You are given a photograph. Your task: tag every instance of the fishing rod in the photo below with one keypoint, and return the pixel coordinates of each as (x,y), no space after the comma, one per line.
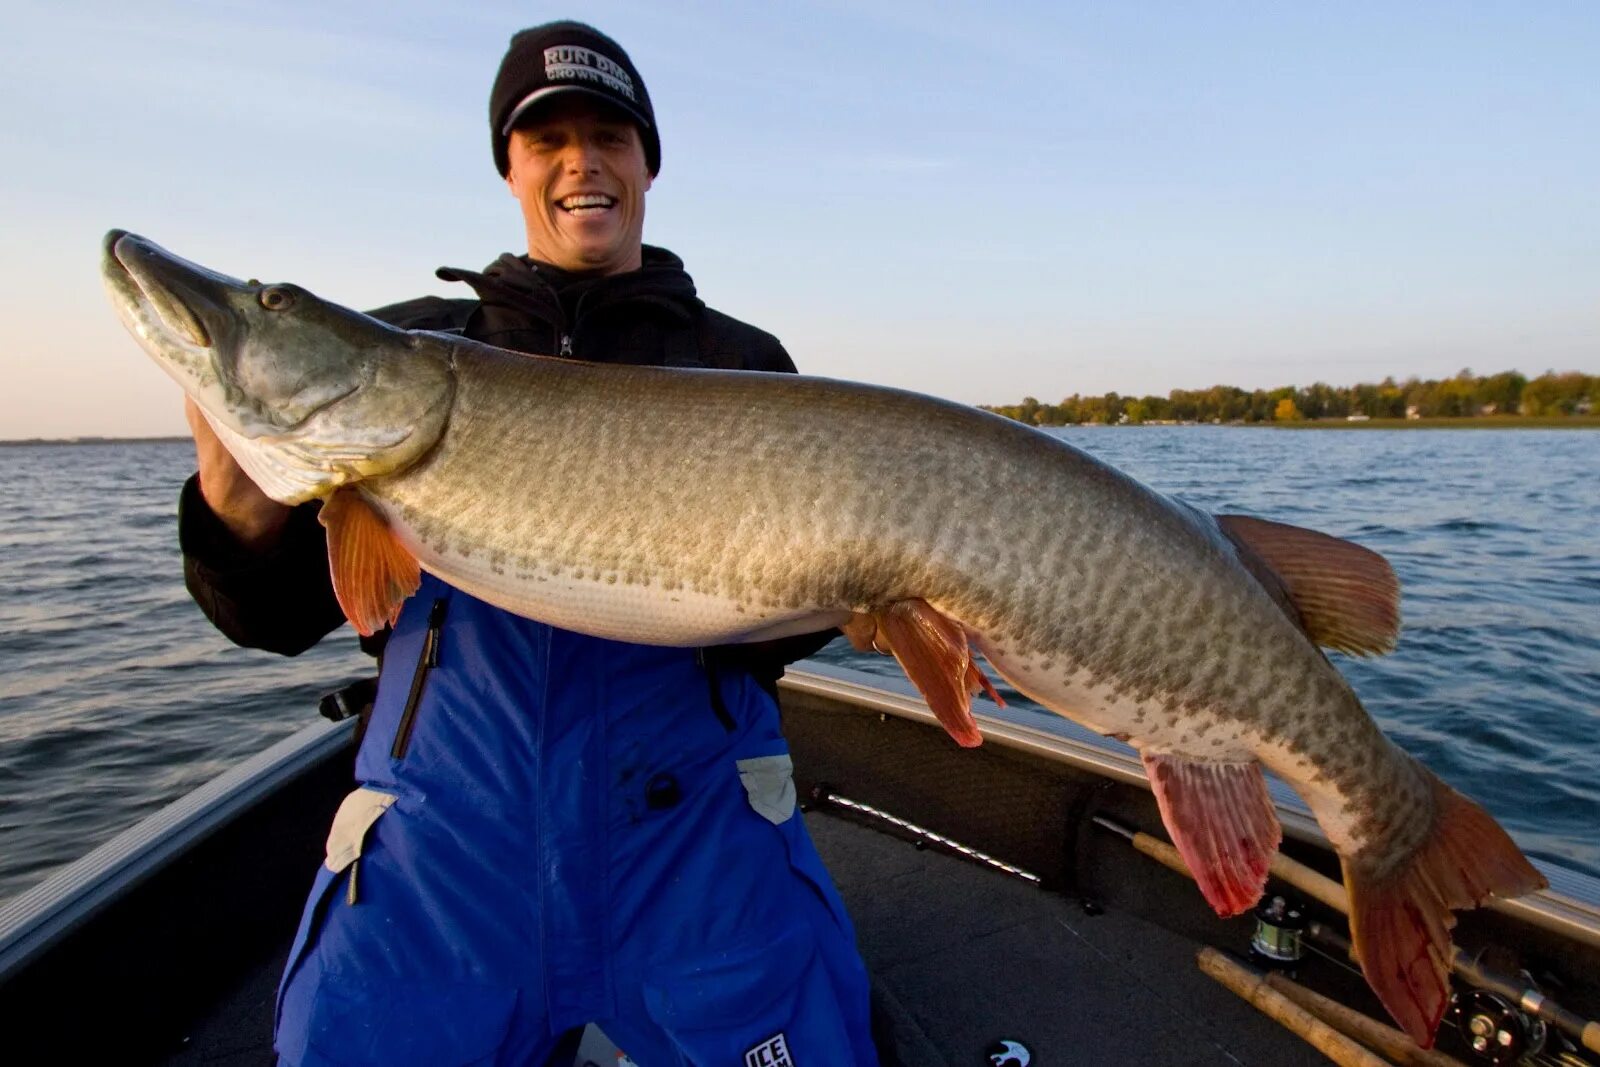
(1488,1016)
(1515,992)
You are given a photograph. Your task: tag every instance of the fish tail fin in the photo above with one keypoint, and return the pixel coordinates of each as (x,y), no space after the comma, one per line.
(372,572)
(934,652)
(1222,822)
(1400,920)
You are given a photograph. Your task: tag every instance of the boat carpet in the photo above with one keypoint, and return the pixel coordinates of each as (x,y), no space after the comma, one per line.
(962,957)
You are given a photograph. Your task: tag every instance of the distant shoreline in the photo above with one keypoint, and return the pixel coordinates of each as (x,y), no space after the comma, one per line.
(1460,422)
(1464,422)
(1455,422)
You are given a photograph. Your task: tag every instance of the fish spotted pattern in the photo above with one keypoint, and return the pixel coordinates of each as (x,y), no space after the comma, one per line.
(696,507)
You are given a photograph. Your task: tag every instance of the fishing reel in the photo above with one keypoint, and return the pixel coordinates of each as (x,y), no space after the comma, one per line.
(1280,924)
(1495,1029)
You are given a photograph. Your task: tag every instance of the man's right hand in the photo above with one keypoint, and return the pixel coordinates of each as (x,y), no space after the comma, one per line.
(249,514)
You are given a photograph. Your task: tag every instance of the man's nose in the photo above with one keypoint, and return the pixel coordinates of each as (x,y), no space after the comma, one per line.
(582,158)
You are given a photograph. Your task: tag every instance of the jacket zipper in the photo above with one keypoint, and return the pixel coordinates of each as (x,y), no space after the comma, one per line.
(419,680)
(719,707)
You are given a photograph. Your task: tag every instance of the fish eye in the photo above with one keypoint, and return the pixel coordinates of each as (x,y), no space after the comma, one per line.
(276,298)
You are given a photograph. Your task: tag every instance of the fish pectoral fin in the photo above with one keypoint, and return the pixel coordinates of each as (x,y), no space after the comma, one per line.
(1222,821)
(1347,596)
(372,571)
(1400,921)
(935,654)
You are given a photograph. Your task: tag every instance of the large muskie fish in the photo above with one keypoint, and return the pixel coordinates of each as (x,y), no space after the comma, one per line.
(697,507)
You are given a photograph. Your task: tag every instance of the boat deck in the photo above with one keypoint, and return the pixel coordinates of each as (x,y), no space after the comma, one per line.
(164,945)
(962,956)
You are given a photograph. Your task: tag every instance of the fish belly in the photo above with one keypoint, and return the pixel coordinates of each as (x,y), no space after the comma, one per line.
(1103,706)
(603,604)
(1342,782)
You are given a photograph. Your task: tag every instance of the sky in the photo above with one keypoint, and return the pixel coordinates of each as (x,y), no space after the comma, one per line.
(976,201)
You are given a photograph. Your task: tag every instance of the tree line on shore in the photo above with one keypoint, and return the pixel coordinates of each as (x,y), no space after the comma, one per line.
(1507,393)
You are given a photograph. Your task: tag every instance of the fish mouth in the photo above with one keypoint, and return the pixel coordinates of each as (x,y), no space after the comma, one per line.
(185,318)
(167,300)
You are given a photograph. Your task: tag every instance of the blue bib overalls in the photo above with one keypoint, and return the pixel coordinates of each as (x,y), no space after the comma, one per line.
(553,830)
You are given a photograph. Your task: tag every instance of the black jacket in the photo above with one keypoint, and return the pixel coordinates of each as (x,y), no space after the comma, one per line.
(282,600)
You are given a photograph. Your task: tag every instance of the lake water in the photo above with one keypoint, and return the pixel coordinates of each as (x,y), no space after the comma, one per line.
(116,696)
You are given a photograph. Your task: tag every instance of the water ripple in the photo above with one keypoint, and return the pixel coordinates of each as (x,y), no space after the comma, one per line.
(1496,681)
(118,697)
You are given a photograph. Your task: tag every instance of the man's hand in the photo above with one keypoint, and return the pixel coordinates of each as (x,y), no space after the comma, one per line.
(249,514)
(866,633)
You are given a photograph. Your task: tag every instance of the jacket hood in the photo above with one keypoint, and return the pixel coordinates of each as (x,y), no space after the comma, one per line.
(514,281)
(532,306)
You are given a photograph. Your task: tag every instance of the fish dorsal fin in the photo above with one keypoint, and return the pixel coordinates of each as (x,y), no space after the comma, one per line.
(372,572)
(934,652)
(1222,821)
(1347,596)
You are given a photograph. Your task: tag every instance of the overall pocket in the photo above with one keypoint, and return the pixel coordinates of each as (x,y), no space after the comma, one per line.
(356,814)
(371,1019)
(768,783)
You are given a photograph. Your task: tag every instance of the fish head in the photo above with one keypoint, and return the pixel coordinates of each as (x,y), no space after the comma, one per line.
(308,396)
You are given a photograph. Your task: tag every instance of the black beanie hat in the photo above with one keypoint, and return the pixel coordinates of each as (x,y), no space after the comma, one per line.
(568,57)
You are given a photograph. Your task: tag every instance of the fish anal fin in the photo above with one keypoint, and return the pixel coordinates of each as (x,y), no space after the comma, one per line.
(934,652)
(1222,822)
(372,572)
(1400,921)
(1347,596)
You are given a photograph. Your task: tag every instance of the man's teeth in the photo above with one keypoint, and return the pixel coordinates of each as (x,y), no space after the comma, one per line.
(587,203)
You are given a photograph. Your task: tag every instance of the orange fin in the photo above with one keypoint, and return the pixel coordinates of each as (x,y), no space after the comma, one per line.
(1223,823)
(372,572)
(1347,596)
(978,682)
(1400,921)
(933,651)
(864,633)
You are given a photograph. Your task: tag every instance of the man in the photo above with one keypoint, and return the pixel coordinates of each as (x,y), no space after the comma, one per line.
(552,829)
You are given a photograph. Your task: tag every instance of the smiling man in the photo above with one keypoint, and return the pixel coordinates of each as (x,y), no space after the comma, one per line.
(550,829)
(580,173)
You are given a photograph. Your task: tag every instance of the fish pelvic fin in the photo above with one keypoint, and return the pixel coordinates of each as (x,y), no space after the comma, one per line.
(934,652)
(372,572)
(1347,596)
(1222,822)
(1400,921)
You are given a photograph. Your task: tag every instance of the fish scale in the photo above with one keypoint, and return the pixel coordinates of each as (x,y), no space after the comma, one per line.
(699,507)
(531,466)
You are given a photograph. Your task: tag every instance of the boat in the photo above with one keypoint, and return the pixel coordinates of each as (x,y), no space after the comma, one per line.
(1014,904)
